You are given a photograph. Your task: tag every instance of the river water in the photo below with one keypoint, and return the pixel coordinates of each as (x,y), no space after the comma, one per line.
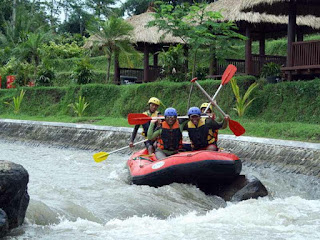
(72,197)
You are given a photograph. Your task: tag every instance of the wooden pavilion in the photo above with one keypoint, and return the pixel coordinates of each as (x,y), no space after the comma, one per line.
(148,40)
(303,57)
(258,26)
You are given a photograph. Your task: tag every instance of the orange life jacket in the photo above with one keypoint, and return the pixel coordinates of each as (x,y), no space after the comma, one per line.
(170,138)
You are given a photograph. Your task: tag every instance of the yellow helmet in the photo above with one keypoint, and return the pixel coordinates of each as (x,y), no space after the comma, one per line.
(154,100)
(205,105)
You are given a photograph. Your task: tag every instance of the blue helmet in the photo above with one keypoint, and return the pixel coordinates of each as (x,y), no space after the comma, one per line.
(169,112)
(194,111)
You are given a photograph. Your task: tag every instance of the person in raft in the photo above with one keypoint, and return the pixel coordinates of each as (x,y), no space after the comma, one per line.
(209,112)
(153,105)
(203,133)
(169,135)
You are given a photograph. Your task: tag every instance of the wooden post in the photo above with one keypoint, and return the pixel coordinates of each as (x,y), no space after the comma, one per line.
(146,63)
(248,57)
(116,77)
(155,59)
(262,51)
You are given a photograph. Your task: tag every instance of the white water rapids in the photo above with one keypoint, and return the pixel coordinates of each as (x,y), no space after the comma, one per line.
(72,197)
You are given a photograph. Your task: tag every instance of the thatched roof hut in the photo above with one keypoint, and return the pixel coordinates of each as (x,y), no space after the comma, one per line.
(273,26)
(143,34)
(152,35)
(281,7)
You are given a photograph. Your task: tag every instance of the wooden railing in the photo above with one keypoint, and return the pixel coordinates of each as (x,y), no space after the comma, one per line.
(154,73)
(239,63)
(305,53)
(257,62)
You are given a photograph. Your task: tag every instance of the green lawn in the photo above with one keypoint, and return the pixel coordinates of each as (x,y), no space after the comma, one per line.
(286,130)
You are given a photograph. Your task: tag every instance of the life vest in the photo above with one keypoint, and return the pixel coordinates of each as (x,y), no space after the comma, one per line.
(201,136)
(146,125)
(170,138)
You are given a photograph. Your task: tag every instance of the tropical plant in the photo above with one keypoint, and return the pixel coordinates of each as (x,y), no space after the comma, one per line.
(242,103)
(30,50)
(45,76)
(270,69)
(82,73)
(80,106)
(113,38)
(196,27)
(16,104)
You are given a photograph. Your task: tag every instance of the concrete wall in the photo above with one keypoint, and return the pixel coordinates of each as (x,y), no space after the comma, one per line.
(292,156)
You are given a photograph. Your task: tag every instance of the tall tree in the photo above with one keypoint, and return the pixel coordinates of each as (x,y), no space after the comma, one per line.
(113,37)
(196,26)
(101,7)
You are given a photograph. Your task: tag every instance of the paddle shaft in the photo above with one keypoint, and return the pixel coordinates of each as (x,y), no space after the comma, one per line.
(209,98)
(179,117)
(226,77)
(127,146)
(213,98)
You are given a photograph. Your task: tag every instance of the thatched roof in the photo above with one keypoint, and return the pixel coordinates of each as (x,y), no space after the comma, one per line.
(281,7)
(141,33)
(270,24)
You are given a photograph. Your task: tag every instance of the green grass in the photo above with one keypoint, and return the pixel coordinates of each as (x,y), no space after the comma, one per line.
(254,128)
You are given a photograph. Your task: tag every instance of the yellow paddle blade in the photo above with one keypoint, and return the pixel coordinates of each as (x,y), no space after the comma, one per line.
(100,156)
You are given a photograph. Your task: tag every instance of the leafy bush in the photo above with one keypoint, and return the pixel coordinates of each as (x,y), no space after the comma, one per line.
(67,50)
(82,74)
(270,69)
(45,76)
(173,62)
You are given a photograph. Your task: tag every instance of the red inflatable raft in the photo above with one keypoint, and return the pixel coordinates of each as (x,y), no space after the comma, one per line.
(197,167)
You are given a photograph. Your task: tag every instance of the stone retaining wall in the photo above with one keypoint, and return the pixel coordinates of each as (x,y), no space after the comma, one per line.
(292,156)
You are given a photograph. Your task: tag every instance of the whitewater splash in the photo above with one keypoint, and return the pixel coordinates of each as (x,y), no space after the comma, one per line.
(72,197)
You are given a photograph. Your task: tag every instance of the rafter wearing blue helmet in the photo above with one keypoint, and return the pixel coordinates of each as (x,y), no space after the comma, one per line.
(202,132)
(169,136)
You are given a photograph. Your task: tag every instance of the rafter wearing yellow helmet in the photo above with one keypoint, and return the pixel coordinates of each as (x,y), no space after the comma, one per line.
(204,106)
(153,105)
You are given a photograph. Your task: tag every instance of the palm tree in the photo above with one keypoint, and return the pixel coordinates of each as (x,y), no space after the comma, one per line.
(30,49)
(112,37)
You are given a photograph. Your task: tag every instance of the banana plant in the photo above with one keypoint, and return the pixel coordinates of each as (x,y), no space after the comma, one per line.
(16,104)
(80,106)
(242,102)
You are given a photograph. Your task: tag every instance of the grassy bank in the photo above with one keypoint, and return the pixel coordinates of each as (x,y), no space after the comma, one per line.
(288,110)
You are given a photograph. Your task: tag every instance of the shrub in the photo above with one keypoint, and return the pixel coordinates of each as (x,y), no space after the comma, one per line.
(82,74)
(67,50)
(270,69)
(45,76)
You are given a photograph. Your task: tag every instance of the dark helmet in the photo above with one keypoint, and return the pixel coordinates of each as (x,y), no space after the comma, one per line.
(194,111)
(169,112)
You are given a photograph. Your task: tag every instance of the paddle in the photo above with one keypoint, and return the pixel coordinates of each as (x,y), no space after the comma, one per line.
(226,77)
(234,126)
(101,156)
(140,118)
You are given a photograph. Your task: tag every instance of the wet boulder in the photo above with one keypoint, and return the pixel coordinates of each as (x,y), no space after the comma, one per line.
(14,198)
(243,188)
